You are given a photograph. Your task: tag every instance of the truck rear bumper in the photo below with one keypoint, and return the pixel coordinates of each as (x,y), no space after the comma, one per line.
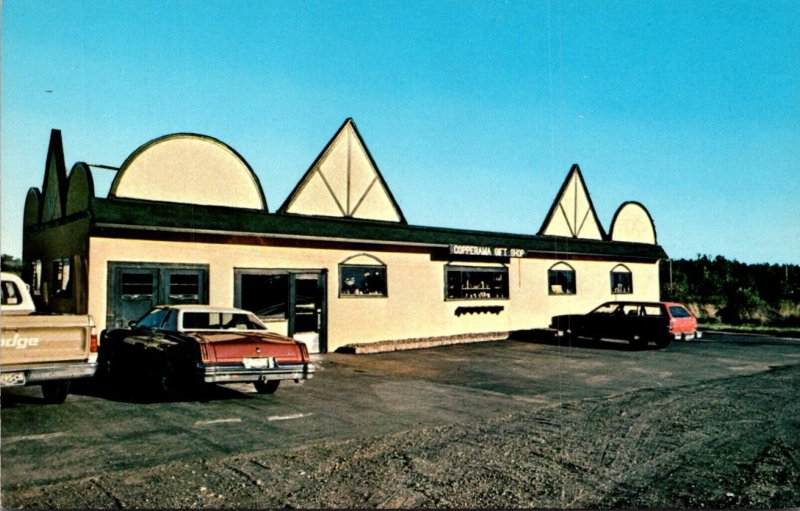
(15,376)
(234,374)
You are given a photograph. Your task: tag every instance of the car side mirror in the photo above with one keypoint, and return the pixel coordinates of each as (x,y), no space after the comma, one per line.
(132,323)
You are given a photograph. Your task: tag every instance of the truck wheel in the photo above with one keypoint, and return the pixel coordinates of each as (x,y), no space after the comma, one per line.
(55,392)
(266,387)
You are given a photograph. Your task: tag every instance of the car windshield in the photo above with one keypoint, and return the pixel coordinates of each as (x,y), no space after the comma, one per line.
(210,320)
(152,319)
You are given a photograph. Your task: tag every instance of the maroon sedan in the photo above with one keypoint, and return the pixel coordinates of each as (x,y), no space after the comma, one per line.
(181,345)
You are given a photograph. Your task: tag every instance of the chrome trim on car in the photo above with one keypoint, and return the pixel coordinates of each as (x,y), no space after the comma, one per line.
(238,373)
(34,375)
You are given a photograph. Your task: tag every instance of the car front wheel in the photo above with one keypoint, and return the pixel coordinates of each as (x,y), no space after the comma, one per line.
(266,387)
(638,342)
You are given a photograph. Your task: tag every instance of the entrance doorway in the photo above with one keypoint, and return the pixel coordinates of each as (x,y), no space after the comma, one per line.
(135,288)
(290,302)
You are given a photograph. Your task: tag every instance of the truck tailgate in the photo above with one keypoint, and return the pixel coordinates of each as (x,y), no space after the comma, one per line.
(30,340)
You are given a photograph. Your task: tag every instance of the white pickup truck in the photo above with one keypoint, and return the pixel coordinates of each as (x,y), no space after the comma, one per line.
(42,349)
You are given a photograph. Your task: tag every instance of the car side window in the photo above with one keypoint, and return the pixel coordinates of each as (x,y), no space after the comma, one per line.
(652,310)
(9,293)
(152,320)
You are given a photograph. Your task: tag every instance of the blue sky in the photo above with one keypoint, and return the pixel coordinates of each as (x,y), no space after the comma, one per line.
(473,110)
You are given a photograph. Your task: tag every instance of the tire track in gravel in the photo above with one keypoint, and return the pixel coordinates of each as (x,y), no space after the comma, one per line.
(723,443)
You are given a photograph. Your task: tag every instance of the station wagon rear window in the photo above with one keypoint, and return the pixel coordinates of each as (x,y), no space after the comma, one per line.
(679,312)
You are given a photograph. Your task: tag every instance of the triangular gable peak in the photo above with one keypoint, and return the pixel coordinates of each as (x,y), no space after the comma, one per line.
(344,181)
(572,214)
(54,187)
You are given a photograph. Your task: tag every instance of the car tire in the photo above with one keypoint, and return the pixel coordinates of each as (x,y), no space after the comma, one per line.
(166,380)
(266,387)
(55,392)
(166,384)
(638,342)
(663,341)
(105,366)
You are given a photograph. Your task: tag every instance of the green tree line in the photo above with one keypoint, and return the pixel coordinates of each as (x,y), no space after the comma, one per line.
(742,293)
(11,264)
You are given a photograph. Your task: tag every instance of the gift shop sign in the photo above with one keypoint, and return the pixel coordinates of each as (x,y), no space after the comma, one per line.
(477,250)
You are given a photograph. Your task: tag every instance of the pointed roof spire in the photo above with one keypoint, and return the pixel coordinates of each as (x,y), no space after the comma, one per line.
(344,181)
(572,213)
(54,187)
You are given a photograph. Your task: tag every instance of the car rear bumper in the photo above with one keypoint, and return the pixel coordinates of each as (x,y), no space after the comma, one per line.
(14,376)
(239,373)
(688,336)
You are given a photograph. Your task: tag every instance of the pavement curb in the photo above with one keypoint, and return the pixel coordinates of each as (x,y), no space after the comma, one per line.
(420,343)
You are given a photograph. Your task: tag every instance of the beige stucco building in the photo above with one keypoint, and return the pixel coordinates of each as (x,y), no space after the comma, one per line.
(186,221)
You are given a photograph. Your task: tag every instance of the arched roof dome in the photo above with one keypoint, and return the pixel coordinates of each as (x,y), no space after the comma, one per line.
(192,169)
(632,222)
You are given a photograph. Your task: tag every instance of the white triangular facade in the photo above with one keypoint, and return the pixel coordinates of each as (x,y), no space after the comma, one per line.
(344,182)
(573,214)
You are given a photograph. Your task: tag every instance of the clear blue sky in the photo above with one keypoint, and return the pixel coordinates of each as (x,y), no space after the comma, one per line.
(473,110)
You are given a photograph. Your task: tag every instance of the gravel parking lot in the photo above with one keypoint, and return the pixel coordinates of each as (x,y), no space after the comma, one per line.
(518,423)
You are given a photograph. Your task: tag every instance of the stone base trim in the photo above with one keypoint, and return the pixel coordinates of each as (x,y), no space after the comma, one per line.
(364,348)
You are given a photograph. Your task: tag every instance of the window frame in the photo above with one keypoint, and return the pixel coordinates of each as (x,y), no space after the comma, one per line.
(378,265)
(621,269)
(62,267)
(10,285)
(570,269)
(500,269)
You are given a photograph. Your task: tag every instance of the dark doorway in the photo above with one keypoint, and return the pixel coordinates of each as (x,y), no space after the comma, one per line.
(289,301)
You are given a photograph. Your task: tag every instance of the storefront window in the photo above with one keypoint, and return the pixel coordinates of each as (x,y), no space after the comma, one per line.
(36,277)
(362,280)
(561,280)
(61,276)
(476,283)
(621,280)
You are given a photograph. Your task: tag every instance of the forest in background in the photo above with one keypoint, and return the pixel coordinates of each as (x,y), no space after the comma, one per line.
(727,291)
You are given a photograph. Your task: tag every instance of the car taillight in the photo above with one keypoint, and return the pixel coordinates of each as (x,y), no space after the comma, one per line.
(671,325)
(93,340)
(304,351)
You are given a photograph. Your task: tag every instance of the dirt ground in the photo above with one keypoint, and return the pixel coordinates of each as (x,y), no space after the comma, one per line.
(727,443)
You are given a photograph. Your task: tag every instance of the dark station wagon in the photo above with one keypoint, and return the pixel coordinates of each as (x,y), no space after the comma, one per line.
(636,322)
(186,345)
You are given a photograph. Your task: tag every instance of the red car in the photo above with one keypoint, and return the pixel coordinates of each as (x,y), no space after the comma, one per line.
(183,345)
(637,322)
